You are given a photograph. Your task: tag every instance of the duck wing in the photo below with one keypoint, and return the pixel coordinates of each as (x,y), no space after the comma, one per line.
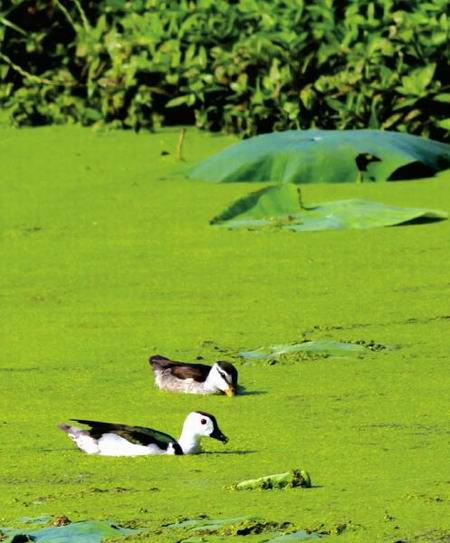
(181,370)
(138,435)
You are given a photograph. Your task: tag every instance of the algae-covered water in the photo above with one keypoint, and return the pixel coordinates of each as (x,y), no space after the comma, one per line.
(107,259)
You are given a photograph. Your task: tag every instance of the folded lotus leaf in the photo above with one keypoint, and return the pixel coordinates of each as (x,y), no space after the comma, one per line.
(325,156)
(281,207)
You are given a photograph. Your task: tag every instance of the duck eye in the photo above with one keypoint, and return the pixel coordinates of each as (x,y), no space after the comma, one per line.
(203,421)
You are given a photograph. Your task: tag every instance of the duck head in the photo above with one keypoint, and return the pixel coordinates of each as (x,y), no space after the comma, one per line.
(197,425)
(203,424)
(224,376)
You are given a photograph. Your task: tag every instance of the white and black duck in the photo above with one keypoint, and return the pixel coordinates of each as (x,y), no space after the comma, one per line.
(221,378)
(108,439)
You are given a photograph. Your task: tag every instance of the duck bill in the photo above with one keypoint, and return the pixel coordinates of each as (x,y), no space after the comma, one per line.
(230,391)
(217,434)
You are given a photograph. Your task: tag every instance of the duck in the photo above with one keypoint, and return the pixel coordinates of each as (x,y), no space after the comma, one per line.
(109,439)
(221,378)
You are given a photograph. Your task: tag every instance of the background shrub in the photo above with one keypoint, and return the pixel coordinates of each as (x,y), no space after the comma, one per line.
(246,66)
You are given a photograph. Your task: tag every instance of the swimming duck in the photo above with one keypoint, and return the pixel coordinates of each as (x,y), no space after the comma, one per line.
(108,439)
(222,377)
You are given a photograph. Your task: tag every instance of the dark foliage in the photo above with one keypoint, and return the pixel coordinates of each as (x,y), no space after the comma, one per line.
(246,66)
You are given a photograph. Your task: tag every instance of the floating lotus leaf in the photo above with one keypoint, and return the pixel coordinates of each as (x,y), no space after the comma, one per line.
(281,207)
(326,156)
(86,531)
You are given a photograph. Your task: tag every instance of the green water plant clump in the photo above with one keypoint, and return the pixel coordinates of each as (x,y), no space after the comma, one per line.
(291,479)
(249,67)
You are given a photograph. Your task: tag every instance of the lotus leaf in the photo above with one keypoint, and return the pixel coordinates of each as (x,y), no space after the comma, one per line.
(85,531)
(326,156)
(281,207)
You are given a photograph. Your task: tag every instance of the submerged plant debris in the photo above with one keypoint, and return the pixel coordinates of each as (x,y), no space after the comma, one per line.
(326,156)
(299,535)
(291,479)
(206,524)
(289,353)
(311,349)
(205,530)
(281,208)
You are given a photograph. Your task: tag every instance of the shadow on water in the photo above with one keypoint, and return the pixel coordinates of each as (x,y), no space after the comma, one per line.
(232,452)
(418,221)
(244,392)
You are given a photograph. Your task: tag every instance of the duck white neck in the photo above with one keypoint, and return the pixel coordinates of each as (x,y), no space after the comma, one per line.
(189,442)
(214,382)
(210,385)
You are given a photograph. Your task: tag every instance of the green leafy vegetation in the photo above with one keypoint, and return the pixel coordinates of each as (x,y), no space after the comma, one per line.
(247,66)
(325,156)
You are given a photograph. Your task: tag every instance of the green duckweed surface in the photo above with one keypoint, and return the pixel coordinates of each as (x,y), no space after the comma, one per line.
(107,259)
